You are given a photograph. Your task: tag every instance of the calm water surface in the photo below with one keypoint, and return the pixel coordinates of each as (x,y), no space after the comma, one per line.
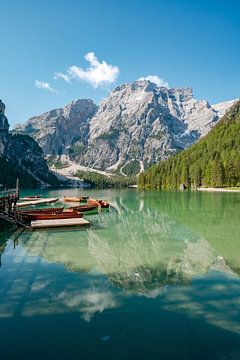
(156,277)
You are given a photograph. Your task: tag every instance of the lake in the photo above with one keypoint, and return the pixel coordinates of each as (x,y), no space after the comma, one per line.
(156,277)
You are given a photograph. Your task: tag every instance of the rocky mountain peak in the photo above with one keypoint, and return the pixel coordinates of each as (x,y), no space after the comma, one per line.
(181,94)
(222,107)
(137,125)
(24,155)
(4,125)
(2,107)
(57,130)
(78,108)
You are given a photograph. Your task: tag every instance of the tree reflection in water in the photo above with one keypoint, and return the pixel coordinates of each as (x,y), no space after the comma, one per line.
(146,250)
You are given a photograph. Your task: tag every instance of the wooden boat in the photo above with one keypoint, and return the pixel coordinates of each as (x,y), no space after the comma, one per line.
(102,203)
(84,198)
(64,215)
(85,208)
(29,198)
(37,202)
(55,210)
(76,199)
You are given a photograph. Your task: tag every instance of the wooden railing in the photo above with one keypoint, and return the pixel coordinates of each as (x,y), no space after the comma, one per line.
(8,199)
(8,202)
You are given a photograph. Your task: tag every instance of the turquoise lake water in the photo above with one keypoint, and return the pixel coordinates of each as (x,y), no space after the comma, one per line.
(156,277)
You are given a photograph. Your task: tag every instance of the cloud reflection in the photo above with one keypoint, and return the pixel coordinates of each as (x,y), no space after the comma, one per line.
(89,301)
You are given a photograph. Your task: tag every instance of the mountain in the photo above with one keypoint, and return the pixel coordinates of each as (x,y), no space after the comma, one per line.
(137,125)
(222,107)
(21,156)
(58,129)
(214,161)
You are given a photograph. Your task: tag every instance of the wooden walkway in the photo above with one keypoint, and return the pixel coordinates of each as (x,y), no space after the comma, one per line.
(9,204)
(44,224)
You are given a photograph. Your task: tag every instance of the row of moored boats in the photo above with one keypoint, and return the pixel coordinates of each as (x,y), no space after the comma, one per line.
(86,206)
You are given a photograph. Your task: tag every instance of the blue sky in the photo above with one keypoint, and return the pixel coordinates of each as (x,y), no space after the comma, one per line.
(185,42)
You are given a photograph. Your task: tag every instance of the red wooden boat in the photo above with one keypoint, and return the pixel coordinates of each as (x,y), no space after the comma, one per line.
(102,203)
(55,210)
(64,215)
(84,208)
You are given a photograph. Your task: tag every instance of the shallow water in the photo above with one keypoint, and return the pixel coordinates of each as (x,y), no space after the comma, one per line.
(156,277)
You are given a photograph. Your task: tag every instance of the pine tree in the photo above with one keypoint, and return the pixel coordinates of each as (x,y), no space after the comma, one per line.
(217,173)
(213,161)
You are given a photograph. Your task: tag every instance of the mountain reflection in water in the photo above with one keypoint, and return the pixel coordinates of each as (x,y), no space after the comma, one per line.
(153,245)
(138,252)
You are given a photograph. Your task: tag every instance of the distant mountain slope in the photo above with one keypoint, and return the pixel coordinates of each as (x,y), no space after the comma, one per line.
(214,161)
(58,129)
(21,156)
(222,107)
(137,125)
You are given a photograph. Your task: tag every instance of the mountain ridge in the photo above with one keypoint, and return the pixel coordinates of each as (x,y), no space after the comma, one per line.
(21,156)
(137,125)
(212,162)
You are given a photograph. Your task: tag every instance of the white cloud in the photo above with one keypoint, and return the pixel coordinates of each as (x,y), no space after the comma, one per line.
(156,80)
(97,74)
(59,75)
(44,85)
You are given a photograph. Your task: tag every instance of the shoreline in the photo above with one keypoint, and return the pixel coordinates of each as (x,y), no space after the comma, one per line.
(218,190)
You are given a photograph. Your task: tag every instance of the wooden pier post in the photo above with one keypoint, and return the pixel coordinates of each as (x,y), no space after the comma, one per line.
(8,206)
(17,189)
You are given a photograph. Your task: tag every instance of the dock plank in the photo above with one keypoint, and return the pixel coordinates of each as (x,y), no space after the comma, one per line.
(41,224)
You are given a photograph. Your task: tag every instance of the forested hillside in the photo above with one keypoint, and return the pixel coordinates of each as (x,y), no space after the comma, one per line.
(11,172)
(103,181)
(213,162)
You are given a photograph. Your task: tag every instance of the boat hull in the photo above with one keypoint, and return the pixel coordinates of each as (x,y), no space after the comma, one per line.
(103,203)
(56,210)
(85,208)
(76,199)
(66,215)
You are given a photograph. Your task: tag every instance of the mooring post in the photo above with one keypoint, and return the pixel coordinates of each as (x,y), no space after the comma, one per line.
(5,189)
(17,188)
(16,198)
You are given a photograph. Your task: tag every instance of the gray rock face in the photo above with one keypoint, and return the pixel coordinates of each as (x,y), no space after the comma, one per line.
(137,125)
(24,152)
(58,129)
(222,107)
(142,123)
(4,127)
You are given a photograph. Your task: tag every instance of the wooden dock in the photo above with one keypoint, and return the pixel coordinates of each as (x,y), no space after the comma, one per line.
(44,224)
(8,201)
(37,202)
(9,204)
